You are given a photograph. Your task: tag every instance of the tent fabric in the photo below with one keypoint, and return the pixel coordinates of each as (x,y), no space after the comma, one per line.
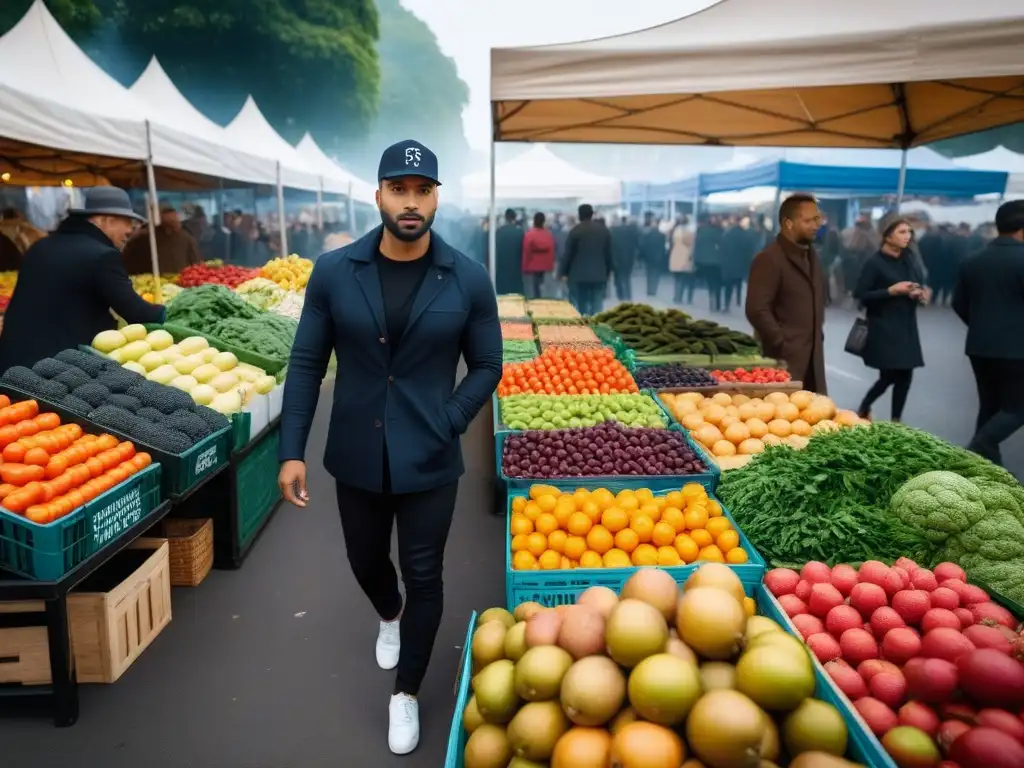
(744,72)
(539,174)
(251,132)
(336,179)
(1000,159)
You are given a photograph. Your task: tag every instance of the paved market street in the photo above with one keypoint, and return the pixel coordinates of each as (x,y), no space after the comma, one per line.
(272,666)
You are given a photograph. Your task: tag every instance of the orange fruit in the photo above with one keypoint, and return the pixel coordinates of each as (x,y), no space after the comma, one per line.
(712,553)
(532,510)
(714,508)
(749,606)
(626,540)
(579,524)
(614,519)
(702,538)
(524,561)
(652,511)
(736,556)
(616,558)
(628,501)
(728,540)
(539,489)
(692,491)
(668,556)
(591,560)
(695,516)
(574,547)
(663,535)
(602,497)
(644,494)
(536,543)
(547,503)
(591,510)
(520,524)
(566,563)
(687,548)
(519,542)
(717,526)
(674,517)
(643,526)
(546,523)
(556,541)
(600,540)
(550,560)
(579,496)
(675,499)
(519,504)
(644,554)
(563,510)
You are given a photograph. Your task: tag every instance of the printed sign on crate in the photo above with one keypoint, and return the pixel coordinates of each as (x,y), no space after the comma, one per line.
(117,517)
(206,461)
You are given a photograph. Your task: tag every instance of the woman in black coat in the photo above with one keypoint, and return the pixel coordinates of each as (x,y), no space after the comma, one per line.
(890,290)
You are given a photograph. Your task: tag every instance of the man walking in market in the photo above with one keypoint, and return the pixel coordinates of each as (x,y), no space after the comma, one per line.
(398,308)
(588,262)
(786,294)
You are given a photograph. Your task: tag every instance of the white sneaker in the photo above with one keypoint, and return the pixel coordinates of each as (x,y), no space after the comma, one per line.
(389,643)
(404,724)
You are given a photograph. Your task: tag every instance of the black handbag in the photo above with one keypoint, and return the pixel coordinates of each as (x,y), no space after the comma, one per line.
(857,338)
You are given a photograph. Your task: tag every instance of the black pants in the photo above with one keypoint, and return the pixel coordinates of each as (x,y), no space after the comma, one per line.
(899,380)
(711,276)
(424,519)
(685,283)
(623,285)
(730,288)
(588,298)
(653,278)
(1000,404)
(533,284)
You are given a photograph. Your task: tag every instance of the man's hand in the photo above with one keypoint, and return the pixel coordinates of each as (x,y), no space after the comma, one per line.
(901,289)
(292,482)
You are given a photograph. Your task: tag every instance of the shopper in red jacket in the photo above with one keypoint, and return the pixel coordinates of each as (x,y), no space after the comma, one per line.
(538,256)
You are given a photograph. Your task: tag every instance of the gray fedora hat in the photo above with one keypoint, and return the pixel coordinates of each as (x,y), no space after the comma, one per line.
(106,201)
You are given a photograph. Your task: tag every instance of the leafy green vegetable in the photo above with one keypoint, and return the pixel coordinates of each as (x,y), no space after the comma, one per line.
(269,335)
(202,308)
(939,504)
(830,501)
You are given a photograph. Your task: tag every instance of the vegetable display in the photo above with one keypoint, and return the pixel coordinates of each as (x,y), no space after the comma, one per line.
(269,335)
(521,331)
(608,449)
(511,306)
(262,293)
(518,350)
(671,332)
(924,656)
(203,307)
(541,309)
(561,411)
(291,305)
(831,501)
(289,272)
(560,371)
(672,376)
(555,335)
(203,274)
(51,469)
(755,375)
(552,529)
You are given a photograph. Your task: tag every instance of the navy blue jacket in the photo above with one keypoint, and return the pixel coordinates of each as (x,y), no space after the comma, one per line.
(410,400)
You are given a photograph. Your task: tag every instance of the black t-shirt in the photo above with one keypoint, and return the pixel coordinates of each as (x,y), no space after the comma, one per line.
(400,282)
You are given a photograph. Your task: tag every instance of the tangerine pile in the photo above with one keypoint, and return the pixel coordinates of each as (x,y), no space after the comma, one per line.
(565,371)
(555,530)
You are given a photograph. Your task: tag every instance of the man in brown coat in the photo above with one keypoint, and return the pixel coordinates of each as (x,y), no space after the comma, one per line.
(786,294)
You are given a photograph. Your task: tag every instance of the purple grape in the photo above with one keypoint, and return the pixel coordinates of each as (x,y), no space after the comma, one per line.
(672,376)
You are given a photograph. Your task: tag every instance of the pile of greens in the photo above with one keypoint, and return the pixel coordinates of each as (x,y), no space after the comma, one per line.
(202,308)
(831,500)
(268,335)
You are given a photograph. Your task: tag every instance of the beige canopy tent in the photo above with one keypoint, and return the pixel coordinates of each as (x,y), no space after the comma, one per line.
(752,73)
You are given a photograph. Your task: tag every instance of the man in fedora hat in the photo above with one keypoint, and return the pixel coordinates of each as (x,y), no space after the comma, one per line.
(70,282)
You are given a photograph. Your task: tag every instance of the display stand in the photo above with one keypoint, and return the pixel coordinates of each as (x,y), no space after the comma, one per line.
(59,699)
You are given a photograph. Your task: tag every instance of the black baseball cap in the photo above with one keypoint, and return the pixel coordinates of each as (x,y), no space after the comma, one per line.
(408,158)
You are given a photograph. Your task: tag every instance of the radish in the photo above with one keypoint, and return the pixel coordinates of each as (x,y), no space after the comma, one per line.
(984,636)
(902,573)
(842,618)
(900,645)
(911,604)
(939,617)
(873,572)
(992,678)
(986,748)
(824,597)
(944,597)
(933,681)
(816,572)
(847,680)
(872,667)
(924,579)
(792,605)
(992,614)
(921,716)
(808,625)
(879,718)
(858,645)
(895,581)
(890,688)
(866,598)
(844,578)
(906,564)
(965,616)
(950,731)
(803,590)
(885,619)
(781,581)
(971,594)
(957,585)
(945,571)
(945,643)
(1003,721)
(958,710)
(824,647)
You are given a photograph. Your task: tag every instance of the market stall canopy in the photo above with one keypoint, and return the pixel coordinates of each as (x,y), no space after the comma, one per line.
(538,174)
(1000,159)
(250,131)
(748,72)
(336,179)
(156,90)
(685,189)
(63,118)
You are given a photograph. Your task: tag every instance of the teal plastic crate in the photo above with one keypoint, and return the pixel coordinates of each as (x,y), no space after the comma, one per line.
(551,588)
(656,483)
(49,552)
(256,489)
(860,748)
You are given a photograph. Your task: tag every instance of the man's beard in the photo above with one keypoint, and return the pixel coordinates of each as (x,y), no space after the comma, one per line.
(407,235)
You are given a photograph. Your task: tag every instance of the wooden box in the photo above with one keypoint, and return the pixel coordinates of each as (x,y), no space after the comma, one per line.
(109,630)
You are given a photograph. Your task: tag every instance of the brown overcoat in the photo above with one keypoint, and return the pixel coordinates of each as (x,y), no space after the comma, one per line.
(786,306)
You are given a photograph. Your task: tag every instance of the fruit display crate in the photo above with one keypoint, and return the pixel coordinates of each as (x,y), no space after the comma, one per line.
(561,587)
(271,365)
(181,473)
(656,483)
(859,747)
(48,552)
(738,388)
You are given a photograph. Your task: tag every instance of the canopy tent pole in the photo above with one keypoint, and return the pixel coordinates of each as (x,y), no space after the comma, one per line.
(153,214)
(280,212)
(352,213)
(492,227)
(901,185)
(320,205)
(776,205)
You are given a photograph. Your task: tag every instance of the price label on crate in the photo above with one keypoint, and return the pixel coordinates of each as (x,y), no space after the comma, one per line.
(117,517)
(206,461)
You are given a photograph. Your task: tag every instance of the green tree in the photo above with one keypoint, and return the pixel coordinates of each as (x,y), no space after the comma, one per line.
(79,18)
(421,94)
(310,64)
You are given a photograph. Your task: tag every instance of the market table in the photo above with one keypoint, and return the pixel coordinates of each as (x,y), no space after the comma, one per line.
(59,699)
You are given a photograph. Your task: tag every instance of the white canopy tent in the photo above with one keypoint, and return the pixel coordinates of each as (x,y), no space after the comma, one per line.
(539,174)
(336,178)
(999,159)
(741,72)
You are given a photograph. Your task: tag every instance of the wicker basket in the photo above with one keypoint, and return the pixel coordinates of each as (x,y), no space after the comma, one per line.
(191,554)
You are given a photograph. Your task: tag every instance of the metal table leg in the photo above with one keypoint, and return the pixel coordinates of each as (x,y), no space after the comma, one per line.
(62,667)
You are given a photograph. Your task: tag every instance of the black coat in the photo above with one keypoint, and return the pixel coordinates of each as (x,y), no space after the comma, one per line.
(989,297)
(654,249)
(68,284)
(508,259)
(738,249)
(625,246)
(588,254)
(893,341)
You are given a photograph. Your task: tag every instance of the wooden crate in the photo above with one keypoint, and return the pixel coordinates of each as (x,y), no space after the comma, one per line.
(191,554)
(109,630)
